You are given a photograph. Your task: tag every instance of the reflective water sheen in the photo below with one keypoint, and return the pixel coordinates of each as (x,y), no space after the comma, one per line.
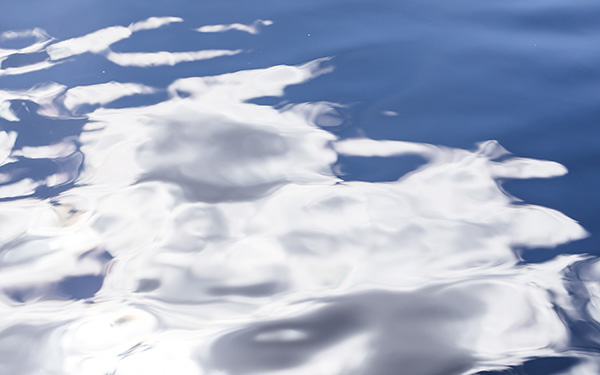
(181,196)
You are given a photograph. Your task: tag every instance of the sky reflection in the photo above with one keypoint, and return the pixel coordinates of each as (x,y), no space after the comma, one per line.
(209,234)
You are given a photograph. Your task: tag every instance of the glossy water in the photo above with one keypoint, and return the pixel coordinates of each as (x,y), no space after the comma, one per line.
(320,188)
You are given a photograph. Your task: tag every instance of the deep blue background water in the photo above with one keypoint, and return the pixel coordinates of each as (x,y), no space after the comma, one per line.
(524,73)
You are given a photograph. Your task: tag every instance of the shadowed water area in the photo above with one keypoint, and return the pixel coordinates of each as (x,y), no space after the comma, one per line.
(339,188)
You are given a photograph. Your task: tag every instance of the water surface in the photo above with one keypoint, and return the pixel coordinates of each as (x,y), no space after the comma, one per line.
(266,188)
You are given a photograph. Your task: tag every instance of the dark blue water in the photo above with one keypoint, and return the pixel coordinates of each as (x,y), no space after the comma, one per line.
(206,210)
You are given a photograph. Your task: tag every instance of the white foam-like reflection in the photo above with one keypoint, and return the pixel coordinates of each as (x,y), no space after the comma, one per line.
(208,235)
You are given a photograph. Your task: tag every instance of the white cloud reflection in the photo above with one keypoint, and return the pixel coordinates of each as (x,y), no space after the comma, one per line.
(102,93)
(41,41)
(40,36)
(95,42)
(226,245)
(43,95)
(153,23)
(165,58)
(253,28)
(99,42)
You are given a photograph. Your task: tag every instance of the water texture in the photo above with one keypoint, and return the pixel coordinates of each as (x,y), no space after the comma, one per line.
(191,219)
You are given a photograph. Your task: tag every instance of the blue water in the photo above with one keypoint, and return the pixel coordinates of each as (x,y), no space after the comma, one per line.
(247,211)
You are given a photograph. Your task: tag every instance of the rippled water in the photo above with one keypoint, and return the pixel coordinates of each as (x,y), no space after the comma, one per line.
(241,188)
